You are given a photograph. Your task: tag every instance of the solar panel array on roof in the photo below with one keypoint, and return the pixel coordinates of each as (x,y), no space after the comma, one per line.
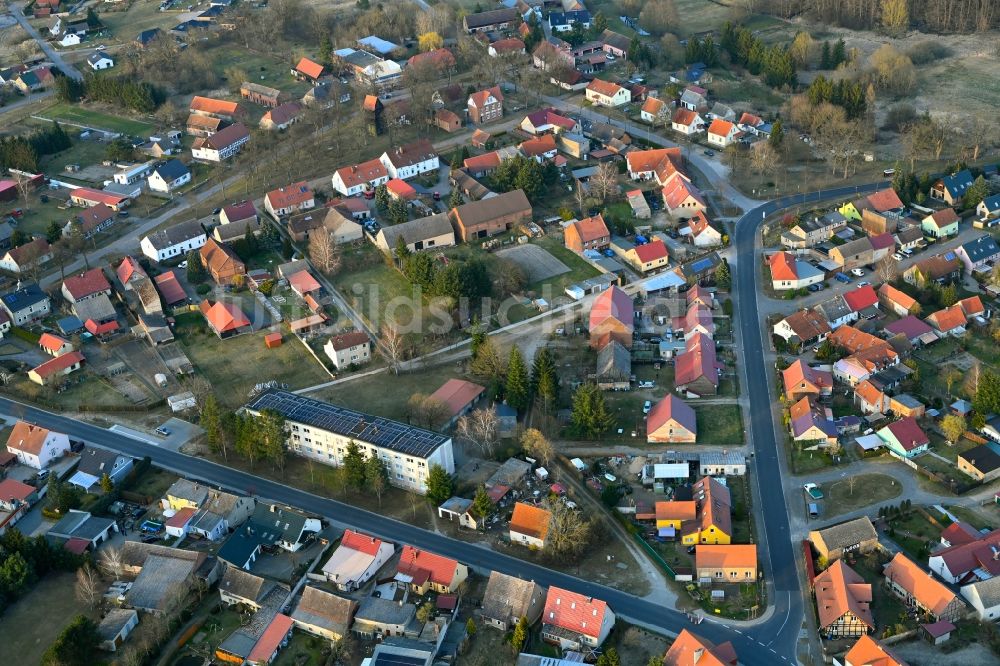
(701,265)
(376,430)
(949,255)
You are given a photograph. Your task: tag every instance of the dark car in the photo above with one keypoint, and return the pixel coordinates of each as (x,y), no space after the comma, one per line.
(710,153)
(814,287)
(673,234)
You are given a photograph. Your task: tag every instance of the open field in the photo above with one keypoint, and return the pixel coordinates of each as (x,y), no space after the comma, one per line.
(868,490)
(719,424)
(224,362)
(33,623)
(74,113)
(537,263)
(386,394)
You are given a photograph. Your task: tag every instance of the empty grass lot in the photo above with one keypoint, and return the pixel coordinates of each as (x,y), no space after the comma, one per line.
(74,113)
(31,624)
(579,269)
(225,362)
(869,489)
(386,394)
(719,424)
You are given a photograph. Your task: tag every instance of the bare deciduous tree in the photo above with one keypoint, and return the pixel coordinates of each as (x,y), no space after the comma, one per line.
(393,346)
(568,532)
(324,253)
(24,187)
(111,562)
(88,585)
(887,268)
(604,183)
(480,427)
(538,446)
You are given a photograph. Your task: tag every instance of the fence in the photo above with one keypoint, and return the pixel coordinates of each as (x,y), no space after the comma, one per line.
(655,556)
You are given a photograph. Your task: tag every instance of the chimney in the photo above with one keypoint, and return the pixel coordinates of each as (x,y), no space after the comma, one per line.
(698,653)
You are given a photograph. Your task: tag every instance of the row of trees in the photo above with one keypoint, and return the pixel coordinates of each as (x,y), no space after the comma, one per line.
(893,17)
(255,438)
(24,560)
(524,173)
(848,95)
(456,280)
(24,152)
(775,63)
(126,92)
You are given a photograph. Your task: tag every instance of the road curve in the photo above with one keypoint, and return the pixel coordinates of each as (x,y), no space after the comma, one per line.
(777,552)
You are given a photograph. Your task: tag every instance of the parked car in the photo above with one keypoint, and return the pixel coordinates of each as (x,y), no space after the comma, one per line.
(813,491)
(858,272)
(163,432)
(646,406)
(841,277)
(898,257)
(864,283)
(710,153)
(814,287)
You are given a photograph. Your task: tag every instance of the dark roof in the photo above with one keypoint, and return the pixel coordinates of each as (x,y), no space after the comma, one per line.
(958,183)
(362,427)
(178,233)
(146,36)
(171,170)
(483,19)
(97,461)
(983,458)
(981,248)
(24,297)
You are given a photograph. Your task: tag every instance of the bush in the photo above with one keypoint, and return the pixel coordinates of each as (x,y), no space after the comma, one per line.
(202,289)
(899,117)
(928,51)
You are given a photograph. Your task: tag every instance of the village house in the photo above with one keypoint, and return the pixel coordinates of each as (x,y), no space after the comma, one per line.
(904,438)
(722,133)
(225,319)
(941,268)
(356,560)
(174,241)
(611,318)
(308,69)
(222,145)
(35,446)
(169,176)
(813,230)
(982,463)
(90,222)
(832,543)
(941,224)
(881,202)
(506,47)
(53,345)
(843,602)
(281,117)
(787,272)
(458,397)
(548,121)
(507,599)
(660,164)
(984,598)
(407,161)
(805,326)
(968,561)
(689,649)
(496,20)
(289,199)
(853,254)
(979,254)
(433,231)
(681,198)
(485,106)
(89,284)
(655,111)
(321,431)
(573,621)
(951,189)
(895,301)
(606,93)
(801,380)
(85,196)
(225,267)
(23,258)
(215,108)
(988,211)
(323,613)
(696,370)
(26,305)
(424,571)
(671,420)
(648,257)
(348,349)
(529,525)
(491,216)
(920,591)
(540,148)
(726,563)
(812,423)
(356,179)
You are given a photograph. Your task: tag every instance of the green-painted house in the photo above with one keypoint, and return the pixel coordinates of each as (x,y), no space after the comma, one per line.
(905,438)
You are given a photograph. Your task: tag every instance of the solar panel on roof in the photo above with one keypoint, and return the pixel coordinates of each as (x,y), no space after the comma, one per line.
(701,265)
(949,256)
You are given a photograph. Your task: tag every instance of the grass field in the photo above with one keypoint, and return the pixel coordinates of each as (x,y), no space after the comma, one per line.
(33,623)
(386,394)
(224,362)
(719,424)
(73,113)
(578,268)
(868,489)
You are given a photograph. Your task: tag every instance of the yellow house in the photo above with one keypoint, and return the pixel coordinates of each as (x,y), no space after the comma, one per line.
(184,494)
(850,211)
(713,524)
(674,514)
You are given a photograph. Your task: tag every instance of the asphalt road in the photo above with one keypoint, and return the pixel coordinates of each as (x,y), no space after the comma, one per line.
(69,70)
(780,633)
(482,559)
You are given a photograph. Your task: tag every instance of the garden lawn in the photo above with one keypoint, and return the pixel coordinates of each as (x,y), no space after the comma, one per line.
(31,624)
(719,424)
(225,363)
(386,394)
(579,269)
(868,489)
(79,115)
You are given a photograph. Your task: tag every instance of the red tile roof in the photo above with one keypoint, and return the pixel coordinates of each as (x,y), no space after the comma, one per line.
(664,162)
(908,433)
(58,364)
(360,174)
(840,590)
(697,361)
(52,343)
(311,69)
(592,228)
(930,593)
(861,298)
(271,639)
(895,296)
(241,211)
(95,328)
(181,518)
(27,437)
(12,489)
(538,146)
(457,394)
(947,319)
(550,117)
(97,196)
(291,195)
(943,218)
(720,127)
(482,162)
(651,251)
(362,543)
(95,216)
(87,284)
(170,288)
(127,269)
(684,116)
(868,652)
(689,650)
(782,266)
(224,317)
(884,200)
(422,565)
(401,189)
(972,306)
(574,612)
(348,340)
(671,408)
(884,241)
(612,302)
(530,520)
(214,106)
(678,191)
(509,45)
(440,58)
(480,97)
(807,324)
(605,88)
(303,282)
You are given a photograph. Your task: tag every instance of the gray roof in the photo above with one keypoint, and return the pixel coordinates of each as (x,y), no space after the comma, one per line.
(981,248)
(272,523)
(909,235)
(113,622)
(834,308)
(178,233)
(507,598)
(98,308)
(417,230)
(135,553)
(988,591)
(192,491)
(292,267)
(97,461)
(92,527)
(492,17)
(983,458)
(239,547)
(171,170)
(456,505)
(324,609)
(614,361)
(718,458)
(848,534)
(160,575)
(487,210)
(97,56)
(225,233)
(245,585)
(68,524)
(375,610)
(361,427)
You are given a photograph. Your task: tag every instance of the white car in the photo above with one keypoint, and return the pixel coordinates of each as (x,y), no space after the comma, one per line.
(898,257)
(183,264)
(646,406)
(857,272)
(643,385)
(864,283)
